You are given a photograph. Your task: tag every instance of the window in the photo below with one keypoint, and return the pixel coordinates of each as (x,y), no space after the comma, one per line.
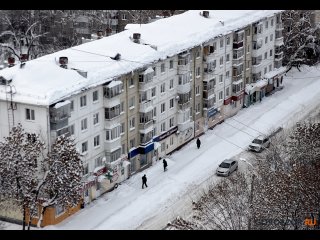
(171,141)
(198,108)
(221,43)
(131,82)
(85,169)
(271,22)
(227,74)
(271,37)
(122,128)
(153,92)
(220,78)
(123,147)
(171,102)
(266,40)
(221,61)
(84,124)
(220,95)
(154,111)
(122,107)
(227,92)
(228,40)
(72,129)
(171,84)
(162,68)
(171,122)
(95,118)
(162,88)
(197,90)
(270,66)
(113,133)
(98,162)
(84,147)
(163,126)
(265,55)
(228,57)
(30,114)
(266,25)
(198,54)
(171,64)
(198,72)
(265,70)
(131,102)
(248,49)
(72,106)
(124,17)
(131,123)
(270,52)
(95,96)
(83,101)
(59,209)
(96,141)
(163,107)
(132,143)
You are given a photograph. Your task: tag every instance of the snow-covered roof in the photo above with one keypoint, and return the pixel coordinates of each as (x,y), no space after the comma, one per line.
(275,72)
(61,104)
(43,82)
(114,83)
(261,83)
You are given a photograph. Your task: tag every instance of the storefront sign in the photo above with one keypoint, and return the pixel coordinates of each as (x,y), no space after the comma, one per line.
(211,112)
(166,134)
(100,171)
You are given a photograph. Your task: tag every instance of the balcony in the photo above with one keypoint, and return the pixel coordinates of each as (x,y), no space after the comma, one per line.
(111,102)
(146,125)
(279,26)
(278,56)
(112,145)
(184,88)
(110,123)
(237,77)
(146,106)
(183,69)
(236,62)
(279,41)
(208,93)
(237,45)
(185,125)
(184,106)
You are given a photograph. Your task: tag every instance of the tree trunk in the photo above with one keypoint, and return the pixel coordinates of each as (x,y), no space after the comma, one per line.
(24,219)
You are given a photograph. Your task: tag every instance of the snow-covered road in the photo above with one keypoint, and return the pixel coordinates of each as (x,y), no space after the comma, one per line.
(170,193)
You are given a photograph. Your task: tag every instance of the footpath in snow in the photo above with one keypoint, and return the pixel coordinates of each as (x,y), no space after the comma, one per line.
(131,207)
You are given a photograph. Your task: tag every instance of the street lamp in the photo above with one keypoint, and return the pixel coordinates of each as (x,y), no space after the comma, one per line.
(251,192)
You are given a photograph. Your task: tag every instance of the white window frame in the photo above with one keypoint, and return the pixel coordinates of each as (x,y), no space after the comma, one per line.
(163,107)
(84,151)
(30,114)
(96,141)
(83,101)
(96,118)
(84,124)
(95,93)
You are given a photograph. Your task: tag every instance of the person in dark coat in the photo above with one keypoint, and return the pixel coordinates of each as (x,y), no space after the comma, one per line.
(198,143)
(144,181)
(165,164)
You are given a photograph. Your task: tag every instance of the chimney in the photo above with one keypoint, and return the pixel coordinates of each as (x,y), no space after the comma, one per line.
(99,34)
(63,61)
(11,61)
(205,14)
(136,37)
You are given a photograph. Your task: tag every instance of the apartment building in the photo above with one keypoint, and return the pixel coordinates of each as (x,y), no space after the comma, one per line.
(134,97)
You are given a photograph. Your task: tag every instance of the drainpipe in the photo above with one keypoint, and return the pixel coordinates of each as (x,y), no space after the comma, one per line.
(194,93)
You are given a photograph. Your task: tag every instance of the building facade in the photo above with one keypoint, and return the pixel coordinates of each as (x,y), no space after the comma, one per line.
(126,122)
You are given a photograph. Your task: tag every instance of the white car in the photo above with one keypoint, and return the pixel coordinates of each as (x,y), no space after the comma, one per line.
(227,167)
(259,143)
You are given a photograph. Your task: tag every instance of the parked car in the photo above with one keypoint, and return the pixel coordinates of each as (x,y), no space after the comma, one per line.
(227,167)
(259,143)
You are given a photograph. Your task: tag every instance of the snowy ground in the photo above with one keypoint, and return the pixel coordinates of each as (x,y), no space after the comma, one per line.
(170,193)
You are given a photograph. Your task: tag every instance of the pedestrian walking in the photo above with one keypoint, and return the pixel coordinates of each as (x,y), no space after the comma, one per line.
(165,164)
(198,143)
(144,181)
